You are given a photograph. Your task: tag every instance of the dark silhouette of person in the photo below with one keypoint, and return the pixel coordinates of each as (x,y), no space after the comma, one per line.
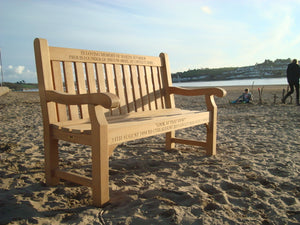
(293,74)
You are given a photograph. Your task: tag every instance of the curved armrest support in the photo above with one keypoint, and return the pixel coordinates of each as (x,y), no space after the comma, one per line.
(219,92)
(107,100)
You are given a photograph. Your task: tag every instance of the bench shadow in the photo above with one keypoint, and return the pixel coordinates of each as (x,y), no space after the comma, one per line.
(14,208)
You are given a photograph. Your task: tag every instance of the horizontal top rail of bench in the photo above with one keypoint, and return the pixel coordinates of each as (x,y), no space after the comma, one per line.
(91,56)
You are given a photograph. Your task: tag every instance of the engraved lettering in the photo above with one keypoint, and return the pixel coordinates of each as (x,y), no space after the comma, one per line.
(107,57)
(161,127)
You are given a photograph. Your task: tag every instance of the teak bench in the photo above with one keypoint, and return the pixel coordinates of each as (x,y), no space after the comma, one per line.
(103,99)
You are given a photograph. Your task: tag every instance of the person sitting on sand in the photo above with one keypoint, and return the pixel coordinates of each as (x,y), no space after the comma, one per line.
(246,97)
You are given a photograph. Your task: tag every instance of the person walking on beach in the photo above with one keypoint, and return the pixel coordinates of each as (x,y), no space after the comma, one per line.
(293,74)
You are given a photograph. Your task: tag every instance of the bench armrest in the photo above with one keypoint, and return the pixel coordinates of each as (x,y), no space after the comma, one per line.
(107,100)
(219,92)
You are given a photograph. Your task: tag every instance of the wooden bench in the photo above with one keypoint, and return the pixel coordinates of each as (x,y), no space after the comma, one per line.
(103,99)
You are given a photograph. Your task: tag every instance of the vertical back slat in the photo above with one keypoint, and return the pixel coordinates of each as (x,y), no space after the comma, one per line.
(128,89)
(111,85)
(101,80)
(70,87)
(58,85)
(90,73)
(81,87)
(157,90)
(101,77)
(136,89)
(150,89)
(143,88)
(162,88)
(120,89)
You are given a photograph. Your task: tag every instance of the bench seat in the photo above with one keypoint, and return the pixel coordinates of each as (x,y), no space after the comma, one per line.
(138,125)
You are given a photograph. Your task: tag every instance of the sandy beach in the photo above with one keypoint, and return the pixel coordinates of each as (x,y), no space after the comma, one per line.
(253,179)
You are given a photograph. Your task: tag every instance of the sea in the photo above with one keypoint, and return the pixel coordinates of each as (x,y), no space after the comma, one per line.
(224,83)
(243,82)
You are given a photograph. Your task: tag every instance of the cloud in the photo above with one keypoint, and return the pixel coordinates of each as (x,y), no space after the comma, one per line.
(19,69)
(279,39)
(18,73)
(194,33)
(206,9)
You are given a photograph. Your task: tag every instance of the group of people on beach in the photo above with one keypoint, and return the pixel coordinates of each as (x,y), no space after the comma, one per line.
(293,76)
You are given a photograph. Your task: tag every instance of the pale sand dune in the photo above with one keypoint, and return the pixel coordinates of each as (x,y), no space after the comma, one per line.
(254,179)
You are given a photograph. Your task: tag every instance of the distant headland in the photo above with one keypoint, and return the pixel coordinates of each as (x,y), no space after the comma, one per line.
(267,69)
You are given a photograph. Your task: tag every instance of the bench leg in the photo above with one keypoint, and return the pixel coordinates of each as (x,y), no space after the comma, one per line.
(51,160)
(100,171)
(211,138)
(169,143)
(211,141)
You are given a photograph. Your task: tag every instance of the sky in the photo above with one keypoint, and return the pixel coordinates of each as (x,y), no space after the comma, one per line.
(194,33)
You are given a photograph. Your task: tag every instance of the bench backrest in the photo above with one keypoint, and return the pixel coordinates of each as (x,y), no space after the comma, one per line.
(141,82)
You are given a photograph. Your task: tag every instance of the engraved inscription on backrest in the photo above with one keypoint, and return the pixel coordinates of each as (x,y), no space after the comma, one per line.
(137,80)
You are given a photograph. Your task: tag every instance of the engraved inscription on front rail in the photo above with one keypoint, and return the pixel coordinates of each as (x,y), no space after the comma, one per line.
(113,58)
(159,127)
